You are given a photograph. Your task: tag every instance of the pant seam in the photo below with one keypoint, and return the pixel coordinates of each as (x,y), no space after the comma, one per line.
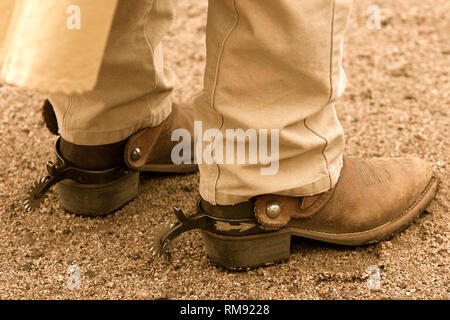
(323,151)
(147,40)
(330,96)
(214,89)
(331,52)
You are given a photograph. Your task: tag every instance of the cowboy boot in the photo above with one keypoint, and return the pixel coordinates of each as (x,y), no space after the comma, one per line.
(371,201)
(98,180)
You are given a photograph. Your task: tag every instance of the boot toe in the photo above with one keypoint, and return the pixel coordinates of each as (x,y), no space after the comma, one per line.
(372,200)
(416,175)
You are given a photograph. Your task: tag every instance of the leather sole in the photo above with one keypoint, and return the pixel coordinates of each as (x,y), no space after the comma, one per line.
(242,252)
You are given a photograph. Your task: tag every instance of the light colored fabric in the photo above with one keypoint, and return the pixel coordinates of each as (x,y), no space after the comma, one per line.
(272,64)
(134,89)
(275,64)
(6,19)
(42,50)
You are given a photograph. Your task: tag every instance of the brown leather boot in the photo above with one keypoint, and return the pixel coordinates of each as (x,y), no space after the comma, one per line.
(98,180)
(149,150)
(371,201)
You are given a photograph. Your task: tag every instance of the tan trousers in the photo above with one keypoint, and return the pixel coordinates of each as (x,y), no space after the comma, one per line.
(272,64)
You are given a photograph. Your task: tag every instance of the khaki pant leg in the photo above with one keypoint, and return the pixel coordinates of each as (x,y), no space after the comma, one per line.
(275,64)
(54,46)
(6,18)
(134,88)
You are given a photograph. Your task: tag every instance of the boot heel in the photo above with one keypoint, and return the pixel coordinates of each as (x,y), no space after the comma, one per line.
(239,252)
(99,199)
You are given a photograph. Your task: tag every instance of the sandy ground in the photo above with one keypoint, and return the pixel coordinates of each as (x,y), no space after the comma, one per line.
(397,103)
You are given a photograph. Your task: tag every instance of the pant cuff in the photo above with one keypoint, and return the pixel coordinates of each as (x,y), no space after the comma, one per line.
(95,137)
(321,184)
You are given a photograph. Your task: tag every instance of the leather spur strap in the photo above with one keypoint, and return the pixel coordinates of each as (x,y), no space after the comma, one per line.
(140,145)
(274,212)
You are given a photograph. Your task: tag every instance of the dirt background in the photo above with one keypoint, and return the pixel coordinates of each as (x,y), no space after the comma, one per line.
(396,104)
